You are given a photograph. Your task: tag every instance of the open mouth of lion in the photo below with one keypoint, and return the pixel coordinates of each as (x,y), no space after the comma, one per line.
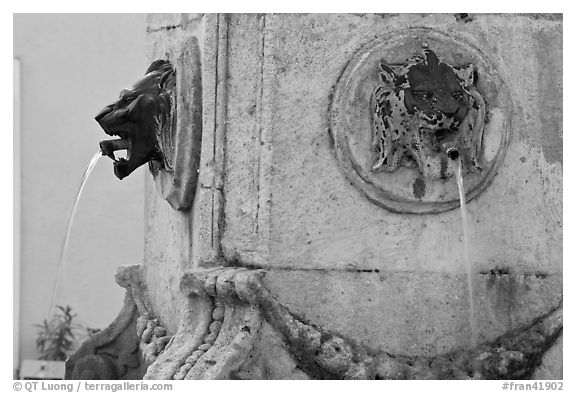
(122,166)
(112,146)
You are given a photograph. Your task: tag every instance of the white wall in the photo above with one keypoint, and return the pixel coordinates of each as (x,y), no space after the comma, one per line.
(72,66)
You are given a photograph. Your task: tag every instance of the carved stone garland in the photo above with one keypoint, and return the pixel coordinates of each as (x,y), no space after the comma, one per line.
(227,309)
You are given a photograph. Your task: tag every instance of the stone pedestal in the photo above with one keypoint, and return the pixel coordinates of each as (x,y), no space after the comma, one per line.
(285,268)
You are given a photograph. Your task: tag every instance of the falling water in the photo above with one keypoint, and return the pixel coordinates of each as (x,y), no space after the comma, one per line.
(61,263)
(469,270)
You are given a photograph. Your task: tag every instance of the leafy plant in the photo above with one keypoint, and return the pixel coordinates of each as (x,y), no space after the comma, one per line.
(56,337)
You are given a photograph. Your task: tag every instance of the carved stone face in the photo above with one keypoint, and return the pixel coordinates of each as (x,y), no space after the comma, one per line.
(420,109)
(136,117)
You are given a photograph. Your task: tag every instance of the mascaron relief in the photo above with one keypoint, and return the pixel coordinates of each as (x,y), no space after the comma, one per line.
(406,107)
(159,121)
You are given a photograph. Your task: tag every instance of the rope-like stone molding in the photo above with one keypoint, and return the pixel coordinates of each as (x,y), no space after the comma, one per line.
(153,337)
(327,355)
(216,333)
(209,339)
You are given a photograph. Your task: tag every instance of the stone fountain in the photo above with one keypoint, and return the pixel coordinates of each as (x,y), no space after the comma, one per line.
(302,216)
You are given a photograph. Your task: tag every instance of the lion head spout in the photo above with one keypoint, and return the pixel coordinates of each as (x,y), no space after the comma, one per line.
(421,107)
(140,115)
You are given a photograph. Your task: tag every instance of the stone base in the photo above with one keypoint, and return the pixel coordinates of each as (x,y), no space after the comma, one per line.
(234,328)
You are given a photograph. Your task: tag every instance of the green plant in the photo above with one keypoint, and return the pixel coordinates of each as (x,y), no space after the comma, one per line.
(57,337)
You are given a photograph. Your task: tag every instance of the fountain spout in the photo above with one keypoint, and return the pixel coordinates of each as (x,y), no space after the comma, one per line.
(107,148)
(138,117)
(449,147)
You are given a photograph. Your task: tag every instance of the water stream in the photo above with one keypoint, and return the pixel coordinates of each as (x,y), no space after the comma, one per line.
(61,263)
(467,259)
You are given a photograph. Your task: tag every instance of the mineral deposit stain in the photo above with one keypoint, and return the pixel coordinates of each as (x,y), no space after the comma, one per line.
(465,18)
(419,188)
(549,88)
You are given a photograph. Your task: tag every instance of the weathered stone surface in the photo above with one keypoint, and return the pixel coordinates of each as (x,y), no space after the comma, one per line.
(273,196)
(244,137)
(167,246)
(320,218)
(316,220)
(167,22)
(551,367)
(411,313)
(181,143)
(168,234)
(326,354)
(266,364)
(164,21)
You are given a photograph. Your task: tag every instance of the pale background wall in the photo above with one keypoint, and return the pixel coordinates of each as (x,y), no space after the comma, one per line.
(72,66)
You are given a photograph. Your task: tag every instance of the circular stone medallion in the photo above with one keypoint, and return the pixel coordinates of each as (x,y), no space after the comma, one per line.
(407,171)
